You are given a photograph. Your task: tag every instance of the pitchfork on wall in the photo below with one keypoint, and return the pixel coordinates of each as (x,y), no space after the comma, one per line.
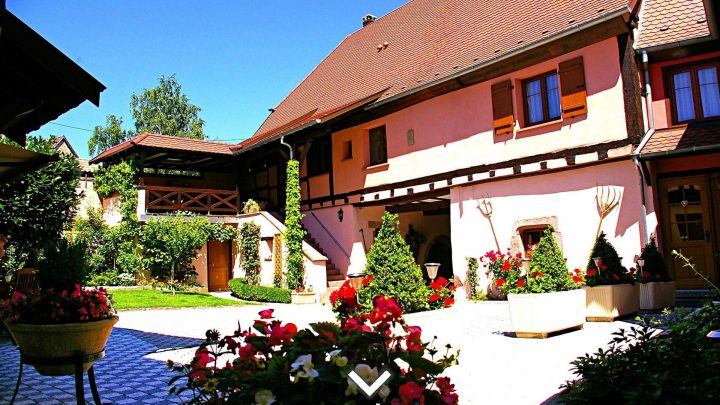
(607,199)
(486,208)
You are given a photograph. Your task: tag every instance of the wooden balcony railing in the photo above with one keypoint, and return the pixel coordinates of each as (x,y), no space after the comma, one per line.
(210,201)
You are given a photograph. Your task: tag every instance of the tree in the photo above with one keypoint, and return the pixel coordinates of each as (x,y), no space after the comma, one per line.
(105,137)
(294,232)
(38,206)
(394,270)
(166,110)
(250,251)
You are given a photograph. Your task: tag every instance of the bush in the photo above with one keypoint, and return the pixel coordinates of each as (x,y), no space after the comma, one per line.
(394,270)
(241,289)
(471,279)
(294,232)
(640,367)
(111,278)
(611,271)
(62,264)
(250,251)
(655,268)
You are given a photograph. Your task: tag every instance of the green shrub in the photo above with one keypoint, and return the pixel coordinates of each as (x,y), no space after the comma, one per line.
(547,259)
(111,278)
(471,278)
(394,270)
(250,251)
(611,270)
(294,232)
(241,289)
(62,264)
(679,367)
(251,206)
(655,268)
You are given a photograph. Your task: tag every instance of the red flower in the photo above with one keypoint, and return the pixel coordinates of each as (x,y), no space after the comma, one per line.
(500,282)
(447,391)
(521,282)
(281,335)
(616,277)
(442,281)
(266,313)
(646,274)
(506,266)
(409,392)
(591,272)
(603,267)
(538,274)
(413,340)
(367,280)
(436,286)
(452,287)
(448,302)
(577,271)
(435,297)
(577,279)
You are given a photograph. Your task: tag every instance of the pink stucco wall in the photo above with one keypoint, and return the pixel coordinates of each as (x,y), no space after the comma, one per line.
(454,130)
(570,196)
(660,101)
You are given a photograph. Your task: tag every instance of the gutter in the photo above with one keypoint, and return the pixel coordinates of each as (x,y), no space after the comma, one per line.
(643,142)
(511,54)
(281,135)
(679,152)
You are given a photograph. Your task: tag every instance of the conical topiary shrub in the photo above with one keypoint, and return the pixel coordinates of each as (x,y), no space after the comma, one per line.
(394,271)
(548,270)
(655,268)
(611,271)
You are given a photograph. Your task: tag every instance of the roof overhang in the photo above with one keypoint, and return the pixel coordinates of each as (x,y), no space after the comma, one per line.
(681,140)
(15,161)
(38,83)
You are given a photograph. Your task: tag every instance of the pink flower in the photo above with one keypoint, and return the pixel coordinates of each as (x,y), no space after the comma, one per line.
(266,313)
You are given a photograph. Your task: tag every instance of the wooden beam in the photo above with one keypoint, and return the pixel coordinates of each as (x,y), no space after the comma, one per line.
(412,207)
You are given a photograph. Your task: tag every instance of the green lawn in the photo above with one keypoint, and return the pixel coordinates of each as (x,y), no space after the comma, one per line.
(127,299)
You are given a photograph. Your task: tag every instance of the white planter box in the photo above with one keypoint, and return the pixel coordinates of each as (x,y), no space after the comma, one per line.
(657,295)
(605,303)
(302,298)
(537,315)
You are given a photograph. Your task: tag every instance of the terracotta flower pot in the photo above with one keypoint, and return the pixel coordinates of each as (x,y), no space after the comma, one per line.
(605,303)
(537,315)
(49,342)
(656,295)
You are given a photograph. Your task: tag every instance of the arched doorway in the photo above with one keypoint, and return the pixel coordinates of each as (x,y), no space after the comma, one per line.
(440,251)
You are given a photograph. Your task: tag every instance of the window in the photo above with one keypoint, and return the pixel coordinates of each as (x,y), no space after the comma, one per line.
(347,150)
(378,146)
(318,157)
(542,98)
(695,93)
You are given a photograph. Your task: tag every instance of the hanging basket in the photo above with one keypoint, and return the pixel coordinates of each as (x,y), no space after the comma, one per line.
(53,343)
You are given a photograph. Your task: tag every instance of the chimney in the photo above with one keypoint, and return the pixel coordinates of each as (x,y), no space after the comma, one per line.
(368,19)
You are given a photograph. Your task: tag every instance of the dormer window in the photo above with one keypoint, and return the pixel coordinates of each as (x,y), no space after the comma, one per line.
(695,94)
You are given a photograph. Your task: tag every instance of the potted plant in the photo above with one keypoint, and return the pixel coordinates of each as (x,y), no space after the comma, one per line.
(612,291)
(657,289)
(60,319)
(543,297)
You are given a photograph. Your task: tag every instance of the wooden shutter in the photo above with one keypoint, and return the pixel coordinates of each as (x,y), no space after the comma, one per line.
(572,88)
(503,118)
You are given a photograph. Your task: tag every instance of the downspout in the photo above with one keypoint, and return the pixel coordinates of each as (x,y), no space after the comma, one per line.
(282,142)
(646,138)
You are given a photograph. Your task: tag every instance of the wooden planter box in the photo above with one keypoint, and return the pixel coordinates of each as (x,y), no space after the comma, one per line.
(655,296)
(537,315)
(605,303)
(302,297)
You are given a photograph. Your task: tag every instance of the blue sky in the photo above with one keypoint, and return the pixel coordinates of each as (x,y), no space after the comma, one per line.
(235,59)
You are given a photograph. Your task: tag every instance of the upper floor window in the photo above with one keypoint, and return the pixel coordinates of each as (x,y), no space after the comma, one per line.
(378,146)
(695,93)
(318,157)
(542,98)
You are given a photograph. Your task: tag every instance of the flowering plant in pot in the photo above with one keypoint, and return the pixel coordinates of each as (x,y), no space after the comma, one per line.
(60,319)
(441,293)
(612,291)
(274,362)
(657,289)
(543,298)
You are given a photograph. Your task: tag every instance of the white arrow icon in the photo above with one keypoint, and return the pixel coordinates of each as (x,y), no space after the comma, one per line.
(369,390)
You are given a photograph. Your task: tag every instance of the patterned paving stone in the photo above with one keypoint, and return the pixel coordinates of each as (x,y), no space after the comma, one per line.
(124,376)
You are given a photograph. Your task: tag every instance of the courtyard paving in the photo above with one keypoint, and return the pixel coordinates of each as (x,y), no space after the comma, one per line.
(495,367)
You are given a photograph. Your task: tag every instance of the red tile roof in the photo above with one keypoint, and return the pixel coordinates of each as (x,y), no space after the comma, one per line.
(422,42)
(669,21)
(683,137)
(166,142)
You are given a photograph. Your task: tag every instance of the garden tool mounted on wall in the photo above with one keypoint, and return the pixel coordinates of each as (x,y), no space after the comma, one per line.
(607,199)
(486,208)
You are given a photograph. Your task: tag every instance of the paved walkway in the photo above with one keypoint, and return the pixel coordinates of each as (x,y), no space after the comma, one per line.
(495,367)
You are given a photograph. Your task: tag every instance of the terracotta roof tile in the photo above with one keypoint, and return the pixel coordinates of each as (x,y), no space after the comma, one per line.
(668,21)
(167,142)
(683,137)
(425,41)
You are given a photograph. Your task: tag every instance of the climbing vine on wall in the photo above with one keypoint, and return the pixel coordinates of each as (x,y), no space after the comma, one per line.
(277,260)
(119,178)
(294,233)
(250,251)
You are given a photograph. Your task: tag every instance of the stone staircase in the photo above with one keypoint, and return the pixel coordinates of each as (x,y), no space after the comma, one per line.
(335,277)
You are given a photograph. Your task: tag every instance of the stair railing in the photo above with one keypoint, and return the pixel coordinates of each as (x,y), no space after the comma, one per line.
(330,234)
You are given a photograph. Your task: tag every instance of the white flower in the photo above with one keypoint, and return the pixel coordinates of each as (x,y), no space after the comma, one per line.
(384,392)
(334,356)
(264,397)
(304,368)
(368,374)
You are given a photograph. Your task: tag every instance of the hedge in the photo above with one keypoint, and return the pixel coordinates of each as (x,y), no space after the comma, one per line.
(241,289)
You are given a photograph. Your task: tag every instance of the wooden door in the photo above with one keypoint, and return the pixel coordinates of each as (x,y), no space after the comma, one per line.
(686,225)
(218,265)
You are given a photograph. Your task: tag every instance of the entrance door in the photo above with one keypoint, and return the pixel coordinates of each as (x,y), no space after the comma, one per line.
(218,265)
(687,228)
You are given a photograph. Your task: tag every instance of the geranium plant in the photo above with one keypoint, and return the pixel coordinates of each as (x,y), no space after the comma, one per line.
(548,271)
(275,363)
(609,269)
(53,307)
(442,292)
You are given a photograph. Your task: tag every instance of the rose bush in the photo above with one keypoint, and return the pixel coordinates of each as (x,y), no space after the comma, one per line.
(275,363)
